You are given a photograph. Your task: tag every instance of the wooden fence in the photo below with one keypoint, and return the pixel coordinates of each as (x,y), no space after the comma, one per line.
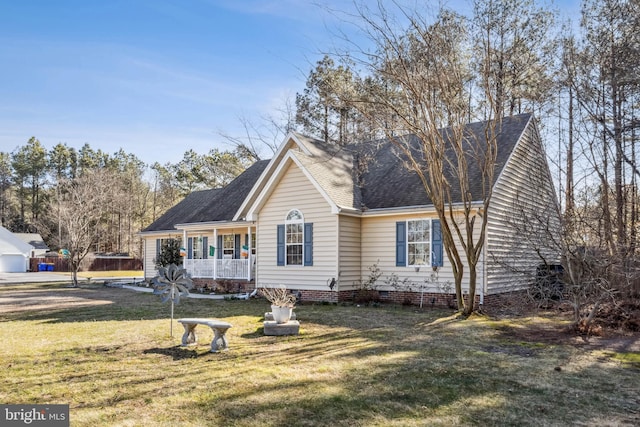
(88,264)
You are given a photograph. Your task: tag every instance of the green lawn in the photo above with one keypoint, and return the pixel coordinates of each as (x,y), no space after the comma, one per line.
(107,352)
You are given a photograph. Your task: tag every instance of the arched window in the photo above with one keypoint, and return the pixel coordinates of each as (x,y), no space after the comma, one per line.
(294,240)
(294,237)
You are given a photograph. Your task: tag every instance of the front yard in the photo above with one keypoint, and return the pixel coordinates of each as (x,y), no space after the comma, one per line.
(107,352)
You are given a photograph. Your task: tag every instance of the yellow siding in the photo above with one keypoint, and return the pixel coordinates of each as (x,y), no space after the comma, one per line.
(295,191)
(522,207)
(350,256)
(378,246)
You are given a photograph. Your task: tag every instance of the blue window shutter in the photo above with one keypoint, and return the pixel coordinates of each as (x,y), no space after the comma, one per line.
(236,247)
(205,247)
(190,248)
(308,243)
(436,243)
(401,244)
(280,245)
(219,248)
(158,248)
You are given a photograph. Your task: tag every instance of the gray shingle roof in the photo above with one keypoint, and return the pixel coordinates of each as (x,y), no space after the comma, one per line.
(34,239)
(219,204)
(386,183)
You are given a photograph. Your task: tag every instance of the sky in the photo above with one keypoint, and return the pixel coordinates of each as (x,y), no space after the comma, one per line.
(156,77)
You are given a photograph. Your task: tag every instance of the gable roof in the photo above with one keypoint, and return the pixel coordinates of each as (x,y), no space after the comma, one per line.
(337,172)
(10,244)
(371,175)
(218,204)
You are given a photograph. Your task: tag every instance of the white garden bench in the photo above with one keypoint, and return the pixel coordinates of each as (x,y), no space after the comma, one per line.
(218,327)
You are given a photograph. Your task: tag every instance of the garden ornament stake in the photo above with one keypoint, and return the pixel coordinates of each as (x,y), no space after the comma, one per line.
(171,283)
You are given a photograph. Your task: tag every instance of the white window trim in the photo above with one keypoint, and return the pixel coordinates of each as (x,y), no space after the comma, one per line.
(430,242)
(287,222)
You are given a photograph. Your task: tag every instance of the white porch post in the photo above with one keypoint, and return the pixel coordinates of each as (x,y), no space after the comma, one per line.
(186,247)
(249,253)
(215,254)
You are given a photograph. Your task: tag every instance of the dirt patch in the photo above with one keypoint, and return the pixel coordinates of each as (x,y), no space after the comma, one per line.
(554,329)
(45,299)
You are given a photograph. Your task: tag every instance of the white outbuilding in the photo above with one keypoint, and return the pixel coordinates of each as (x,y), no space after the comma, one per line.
(14,253)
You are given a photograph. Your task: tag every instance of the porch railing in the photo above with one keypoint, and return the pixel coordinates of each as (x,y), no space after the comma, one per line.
(224,268)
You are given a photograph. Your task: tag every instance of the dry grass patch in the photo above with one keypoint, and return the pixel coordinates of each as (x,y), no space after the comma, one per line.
(107,352)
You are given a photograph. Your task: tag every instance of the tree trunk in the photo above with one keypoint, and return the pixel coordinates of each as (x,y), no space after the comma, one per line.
(473,276)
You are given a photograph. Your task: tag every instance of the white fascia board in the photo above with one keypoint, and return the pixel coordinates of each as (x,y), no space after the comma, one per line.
(275,160)
(416,209)
(211,225)
(157,233)
(275,177)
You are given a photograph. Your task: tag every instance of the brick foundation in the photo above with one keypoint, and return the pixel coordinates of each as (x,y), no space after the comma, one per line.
(428,299)
(394,297)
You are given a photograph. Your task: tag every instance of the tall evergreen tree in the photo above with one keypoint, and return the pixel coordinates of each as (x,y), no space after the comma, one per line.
(29,163)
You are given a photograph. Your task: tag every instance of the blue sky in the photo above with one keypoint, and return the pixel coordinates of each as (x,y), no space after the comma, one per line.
(154,77)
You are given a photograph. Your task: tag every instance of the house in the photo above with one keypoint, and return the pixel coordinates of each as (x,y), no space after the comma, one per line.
(39,247)
(14,253)
(319,217)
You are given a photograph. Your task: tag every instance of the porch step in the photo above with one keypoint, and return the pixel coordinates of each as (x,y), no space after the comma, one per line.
(292,327)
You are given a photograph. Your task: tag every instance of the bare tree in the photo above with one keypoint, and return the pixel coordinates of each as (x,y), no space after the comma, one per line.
(82,204)
(267,133)
(428,65)
(605,84)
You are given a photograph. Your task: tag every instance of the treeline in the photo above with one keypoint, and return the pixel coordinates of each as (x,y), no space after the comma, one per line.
(505,57)
(33,180)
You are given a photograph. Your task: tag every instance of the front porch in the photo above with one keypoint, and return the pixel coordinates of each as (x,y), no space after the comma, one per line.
(236,269)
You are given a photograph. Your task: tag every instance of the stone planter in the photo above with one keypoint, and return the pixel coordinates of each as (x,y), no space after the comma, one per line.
(281,314)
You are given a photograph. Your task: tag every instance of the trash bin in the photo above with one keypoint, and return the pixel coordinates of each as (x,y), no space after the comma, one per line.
(49,267)
(42,266)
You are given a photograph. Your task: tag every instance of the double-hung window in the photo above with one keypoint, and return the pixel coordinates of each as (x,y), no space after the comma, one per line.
(228,246)
(197,248)
(418,243)
(294,237)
